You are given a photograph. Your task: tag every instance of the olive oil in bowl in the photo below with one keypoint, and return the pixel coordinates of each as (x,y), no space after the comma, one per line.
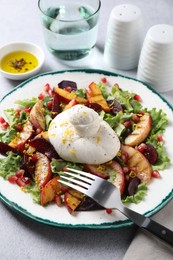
(19,62)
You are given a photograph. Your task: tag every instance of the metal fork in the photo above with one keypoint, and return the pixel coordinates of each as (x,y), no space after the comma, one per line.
(107,195)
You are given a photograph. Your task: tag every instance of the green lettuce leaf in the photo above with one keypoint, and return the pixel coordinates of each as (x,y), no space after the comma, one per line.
(34,191)
(27,102)
(9,165)
(159,123)
(138,196)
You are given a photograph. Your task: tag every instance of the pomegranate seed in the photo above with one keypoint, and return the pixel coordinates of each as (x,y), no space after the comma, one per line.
(142,147)
(20,182)
(104,80)
(20,173)
(47,87)
(136,119)
(68,89)
(125,157)
(160,138)
(127,177)
(12,179)
(21,146)
(141,113)
(38,131)
(41,96)
(137,98)
(64,189)
(116,85)
(58,200)
(126,169)
(34,158)
(49,105)
(109,211)
(2,120)
(155,174)
(27,109)
(26,180)
(127,123)
(19,128)
(18,112)
(4,126)
(50,93)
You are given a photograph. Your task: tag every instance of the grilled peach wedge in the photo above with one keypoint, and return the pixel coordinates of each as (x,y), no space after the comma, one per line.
(37,116)
(22,138)
(43,171)
(138,163)
(141,131)
(50,190)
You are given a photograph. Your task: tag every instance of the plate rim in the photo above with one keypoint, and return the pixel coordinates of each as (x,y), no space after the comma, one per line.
(112,225)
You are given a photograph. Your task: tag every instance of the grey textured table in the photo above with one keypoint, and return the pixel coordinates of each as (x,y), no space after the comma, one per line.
(22,238)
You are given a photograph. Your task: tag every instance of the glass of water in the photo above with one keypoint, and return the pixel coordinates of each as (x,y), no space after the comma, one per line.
(70,26)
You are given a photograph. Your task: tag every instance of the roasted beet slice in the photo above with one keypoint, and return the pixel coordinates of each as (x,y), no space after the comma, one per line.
(94,106)
(115,106)
(28,165)
(71,85)
(4,148)
(133,185)
(45,147)
(56,105)
(150,153)
(88,204)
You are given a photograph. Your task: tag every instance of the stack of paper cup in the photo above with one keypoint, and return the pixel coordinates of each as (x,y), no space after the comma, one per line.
(156,59)
(124,37)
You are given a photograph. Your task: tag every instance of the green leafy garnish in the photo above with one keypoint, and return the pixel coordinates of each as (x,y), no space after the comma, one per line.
(138,196)
(9,165)
(27,102)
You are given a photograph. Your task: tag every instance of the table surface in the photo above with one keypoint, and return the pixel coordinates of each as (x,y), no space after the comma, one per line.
(22,238)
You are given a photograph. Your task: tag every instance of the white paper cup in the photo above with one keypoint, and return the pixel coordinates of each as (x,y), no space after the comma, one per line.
(124,37)
(156,59)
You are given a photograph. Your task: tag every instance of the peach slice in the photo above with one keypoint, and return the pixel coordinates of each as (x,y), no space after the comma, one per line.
(43,171)
(141,131)
(50,190)
(37,116)
(21,139)
(66,96)
(138,163)
(94,95)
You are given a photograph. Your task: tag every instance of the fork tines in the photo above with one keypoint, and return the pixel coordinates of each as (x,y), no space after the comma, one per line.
(77,179)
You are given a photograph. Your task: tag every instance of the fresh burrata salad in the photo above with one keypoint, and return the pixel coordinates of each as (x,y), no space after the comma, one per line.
(107,133)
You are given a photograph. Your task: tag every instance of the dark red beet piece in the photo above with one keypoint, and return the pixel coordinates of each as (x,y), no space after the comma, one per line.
(94,106)
(132,187)
(67,83)
(45,147)
(88,204)
(4,148)
(56,105)
(28,165)
(151,154)
(115,106)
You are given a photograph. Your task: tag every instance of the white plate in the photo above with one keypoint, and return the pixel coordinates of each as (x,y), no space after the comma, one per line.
(160,191)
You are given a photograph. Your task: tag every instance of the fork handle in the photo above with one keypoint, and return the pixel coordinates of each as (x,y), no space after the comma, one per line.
(158,230)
